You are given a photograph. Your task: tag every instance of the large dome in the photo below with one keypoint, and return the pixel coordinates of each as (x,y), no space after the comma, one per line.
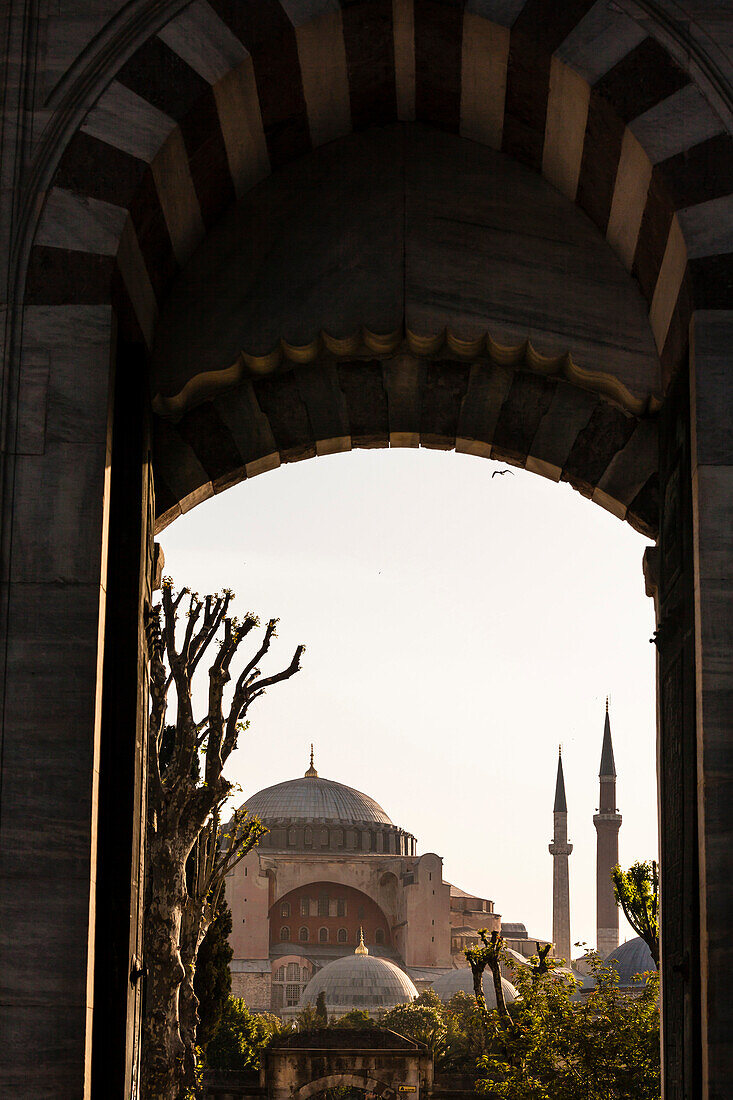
(360,981)
(314,799)
(461,981)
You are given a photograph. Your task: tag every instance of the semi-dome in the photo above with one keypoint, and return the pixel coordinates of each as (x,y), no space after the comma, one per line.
(311,798)
(629,959)
(360,981)
(461,981)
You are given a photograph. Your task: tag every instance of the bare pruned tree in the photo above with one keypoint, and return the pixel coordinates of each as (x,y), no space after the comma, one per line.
(487,953)
(186,792)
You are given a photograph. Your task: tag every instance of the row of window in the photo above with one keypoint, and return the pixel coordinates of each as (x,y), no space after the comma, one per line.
(322,837)
(291,973)
(322,906)
(342,936)
(294,979)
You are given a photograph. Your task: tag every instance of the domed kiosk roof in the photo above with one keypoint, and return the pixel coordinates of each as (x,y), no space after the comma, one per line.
(629,959)
(360,981)
(314,799)
(461,981)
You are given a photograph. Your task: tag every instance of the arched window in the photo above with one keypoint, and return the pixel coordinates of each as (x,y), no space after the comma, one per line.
(303,935)
(343,935)
(308,837)
(280,974)
(323,935)
(341,907)
(323,905)
(325,837)
(285,932)
(293,972)
(379,936)
(285,909)
(292,837)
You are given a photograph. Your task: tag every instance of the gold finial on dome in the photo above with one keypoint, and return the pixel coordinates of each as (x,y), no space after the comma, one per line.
(361,948)
(311,773)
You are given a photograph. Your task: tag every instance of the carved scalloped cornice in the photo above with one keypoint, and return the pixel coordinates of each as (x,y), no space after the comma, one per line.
(365,344)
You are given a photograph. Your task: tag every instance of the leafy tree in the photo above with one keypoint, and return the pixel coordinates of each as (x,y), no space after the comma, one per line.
(213,979)
(467,1033)
(552,1048)
(307,1018)
(637,892)
(423,1022)
(356,1018)
(186,791)
(241,1037)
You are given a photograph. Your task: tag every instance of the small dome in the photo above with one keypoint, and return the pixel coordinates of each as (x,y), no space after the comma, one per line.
(461,981)
(517,959)
(629,959)
(314,799)
(360,981)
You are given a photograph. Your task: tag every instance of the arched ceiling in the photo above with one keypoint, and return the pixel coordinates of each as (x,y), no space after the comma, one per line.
(403,231)
(226,92)
(598,98)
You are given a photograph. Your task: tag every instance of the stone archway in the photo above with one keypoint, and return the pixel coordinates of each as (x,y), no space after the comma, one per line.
(447,331)
(336,1080)
(129,135)
(376,1061)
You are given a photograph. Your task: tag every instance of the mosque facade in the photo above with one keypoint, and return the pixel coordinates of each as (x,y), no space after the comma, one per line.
(334,865)
(334,872)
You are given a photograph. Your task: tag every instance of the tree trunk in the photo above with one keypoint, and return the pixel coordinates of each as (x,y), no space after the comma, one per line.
(163,1050)
(194,927)
(498,988)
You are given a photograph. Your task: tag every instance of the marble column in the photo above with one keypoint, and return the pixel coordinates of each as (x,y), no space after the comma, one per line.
(711,393)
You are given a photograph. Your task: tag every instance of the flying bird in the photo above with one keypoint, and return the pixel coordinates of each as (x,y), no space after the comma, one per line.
(495,472)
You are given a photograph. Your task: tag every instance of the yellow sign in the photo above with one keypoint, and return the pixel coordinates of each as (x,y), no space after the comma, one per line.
(407,1088)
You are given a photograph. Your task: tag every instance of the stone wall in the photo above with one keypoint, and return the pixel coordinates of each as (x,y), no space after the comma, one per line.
(255,989)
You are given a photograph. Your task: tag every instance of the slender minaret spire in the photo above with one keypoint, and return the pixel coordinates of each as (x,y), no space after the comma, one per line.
(607,822)
(560,849)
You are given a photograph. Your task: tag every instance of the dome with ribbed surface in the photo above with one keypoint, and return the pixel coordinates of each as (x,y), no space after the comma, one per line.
(314,799)
(360,981)
(629,959)
(461,981)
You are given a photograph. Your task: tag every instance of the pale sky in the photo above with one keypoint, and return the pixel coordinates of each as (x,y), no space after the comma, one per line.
(458,628)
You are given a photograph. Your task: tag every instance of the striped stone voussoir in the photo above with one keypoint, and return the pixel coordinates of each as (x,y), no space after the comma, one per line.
(227,92)
(504,411)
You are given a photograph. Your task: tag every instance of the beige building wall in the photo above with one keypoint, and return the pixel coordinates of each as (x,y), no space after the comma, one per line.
(247,894)
(410,892)
(427,912)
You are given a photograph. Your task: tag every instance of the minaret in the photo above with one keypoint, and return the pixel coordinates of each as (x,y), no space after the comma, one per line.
(607,822)
(560,849)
